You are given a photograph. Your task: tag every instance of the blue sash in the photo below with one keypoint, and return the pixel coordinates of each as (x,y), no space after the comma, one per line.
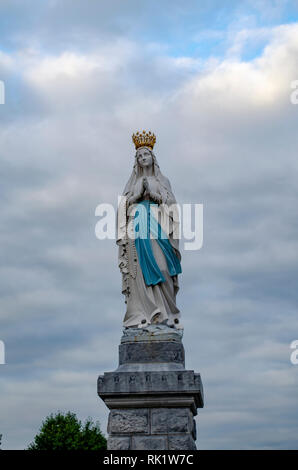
(144,225)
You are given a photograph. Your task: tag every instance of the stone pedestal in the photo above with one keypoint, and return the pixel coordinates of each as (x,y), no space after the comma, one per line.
(151,397)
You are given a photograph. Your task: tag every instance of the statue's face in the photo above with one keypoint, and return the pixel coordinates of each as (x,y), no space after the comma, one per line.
(145,159)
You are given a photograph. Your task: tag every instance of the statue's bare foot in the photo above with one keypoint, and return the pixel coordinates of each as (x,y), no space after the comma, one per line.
(144,324)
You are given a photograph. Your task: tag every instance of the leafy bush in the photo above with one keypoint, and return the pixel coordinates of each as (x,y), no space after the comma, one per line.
(66,432)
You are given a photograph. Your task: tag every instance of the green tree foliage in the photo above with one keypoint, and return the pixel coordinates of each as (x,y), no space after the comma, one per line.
(66,432)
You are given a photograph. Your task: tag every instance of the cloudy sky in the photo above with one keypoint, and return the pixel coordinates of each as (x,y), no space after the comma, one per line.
(214,83)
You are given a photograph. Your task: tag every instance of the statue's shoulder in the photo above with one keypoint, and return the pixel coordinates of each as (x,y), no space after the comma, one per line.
(167,181)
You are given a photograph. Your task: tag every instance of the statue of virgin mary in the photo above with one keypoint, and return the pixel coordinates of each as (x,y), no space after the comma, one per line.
(148,240)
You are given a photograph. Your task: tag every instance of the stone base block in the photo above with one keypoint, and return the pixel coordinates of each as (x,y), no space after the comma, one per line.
(151,397)
(152,429)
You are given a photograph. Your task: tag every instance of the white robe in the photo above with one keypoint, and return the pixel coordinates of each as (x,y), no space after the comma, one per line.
(154,303)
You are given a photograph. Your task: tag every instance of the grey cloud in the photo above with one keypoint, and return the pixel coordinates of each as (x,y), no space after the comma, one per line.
(61,302)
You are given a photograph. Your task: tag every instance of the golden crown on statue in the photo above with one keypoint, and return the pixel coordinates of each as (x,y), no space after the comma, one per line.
(144,139)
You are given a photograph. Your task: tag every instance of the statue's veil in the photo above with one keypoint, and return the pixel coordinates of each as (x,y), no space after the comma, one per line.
(137,172)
